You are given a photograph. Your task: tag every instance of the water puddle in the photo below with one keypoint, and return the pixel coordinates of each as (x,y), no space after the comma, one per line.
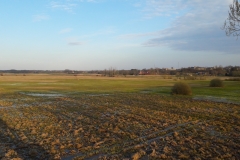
(7,107)
(214,99)
(95,95)
(51,83)
(70,157)
(44,94)
(11,84)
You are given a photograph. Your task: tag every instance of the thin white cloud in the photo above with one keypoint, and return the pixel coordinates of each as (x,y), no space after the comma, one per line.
(74,41)
(40,17)
(66,6)
(138,35)
(69,5)
(154,8)
(91,1)
(199,29)
(95,1)
(137,4)
(65,30)
(106,31)
(83,0)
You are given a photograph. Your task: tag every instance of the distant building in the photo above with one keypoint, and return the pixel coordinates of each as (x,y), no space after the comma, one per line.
(200,68)
(144,72)
(169,69)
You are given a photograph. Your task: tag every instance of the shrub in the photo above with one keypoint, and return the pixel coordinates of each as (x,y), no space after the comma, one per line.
(181,88)
(216,83)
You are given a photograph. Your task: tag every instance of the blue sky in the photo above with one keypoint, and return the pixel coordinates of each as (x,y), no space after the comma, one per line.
(124,34)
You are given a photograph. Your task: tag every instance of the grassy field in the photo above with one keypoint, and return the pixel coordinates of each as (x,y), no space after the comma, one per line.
(70,84)
(93,117)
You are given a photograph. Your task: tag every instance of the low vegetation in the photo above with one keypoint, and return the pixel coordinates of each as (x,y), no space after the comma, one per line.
(190,77)
(181,88)
(216,83)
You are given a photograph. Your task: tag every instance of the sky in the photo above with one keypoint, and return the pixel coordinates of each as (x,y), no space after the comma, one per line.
(122,34)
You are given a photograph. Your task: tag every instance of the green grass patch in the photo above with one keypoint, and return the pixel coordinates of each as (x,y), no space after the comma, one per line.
(130,84)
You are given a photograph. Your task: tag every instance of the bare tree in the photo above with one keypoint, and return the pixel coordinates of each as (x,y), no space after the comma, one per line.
(232,24)
(111,72)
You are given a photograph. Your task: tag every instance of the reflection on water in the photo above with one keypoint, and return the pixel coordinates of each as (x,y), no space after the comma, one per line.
(44,94)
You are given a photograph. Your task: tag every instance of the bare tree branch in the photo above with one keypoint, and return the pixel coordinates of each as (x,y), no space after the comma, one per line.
(232,24)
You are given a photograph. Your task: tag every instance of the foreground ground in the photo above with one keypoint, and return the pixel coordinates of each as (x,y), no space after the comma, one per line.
(117,126)
(51,117)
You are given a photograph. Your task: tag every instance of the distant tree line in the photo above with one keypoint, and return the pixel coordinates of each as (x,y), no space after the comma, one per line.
(113,72)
